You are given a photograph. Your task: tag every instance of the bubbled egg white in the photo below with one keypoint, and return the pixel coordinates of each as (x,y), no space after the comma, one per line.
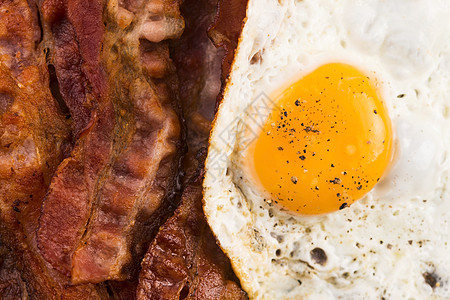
(394,242)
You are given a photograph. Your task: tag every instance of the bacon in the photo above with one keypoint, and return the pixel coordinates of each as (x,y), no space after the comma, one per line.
(226,29)
(77,30)
(12,286)
(90,192)
(158,20)
(33,139)
(184,261)
(107,199)
(67,206)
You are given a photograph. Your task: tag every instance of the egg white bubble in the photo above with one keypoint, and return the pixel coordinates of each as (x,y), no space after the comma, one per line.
(393,243)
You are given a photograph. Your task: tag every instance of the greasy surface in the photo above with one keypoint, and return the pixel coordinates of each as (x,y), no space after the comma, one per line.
(198,65)
(116,128)
(12,286)
(226,29)
(108,196)
(33,138)
(184,262)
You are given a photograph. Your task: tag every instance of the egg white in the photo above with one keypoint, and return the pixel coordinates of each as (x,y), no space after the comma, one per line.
(388,244)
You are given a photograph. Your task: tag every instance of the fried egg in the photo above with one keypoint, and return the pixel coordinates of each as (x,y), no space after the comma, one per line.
(327,175)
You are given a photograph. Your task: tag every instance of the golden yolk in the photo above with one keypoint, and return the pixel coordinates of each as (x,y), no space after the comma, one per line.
(327,142)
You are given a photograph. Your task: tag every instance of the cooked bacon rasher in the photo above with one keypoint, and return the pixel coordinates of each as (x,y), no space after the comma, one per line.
(33,139)
(113,187)
(184,261)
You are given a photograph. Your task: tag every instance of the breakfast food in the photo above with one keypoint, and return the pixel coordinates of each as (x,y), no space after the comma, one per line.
(184,261)
(328,171)
(33,139)
(91,139)
(109,196)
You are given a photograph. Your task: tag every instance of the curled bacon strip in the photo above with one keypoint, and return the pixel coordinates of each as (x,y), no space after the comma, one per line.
(34,138)
(107,199)
(184,261)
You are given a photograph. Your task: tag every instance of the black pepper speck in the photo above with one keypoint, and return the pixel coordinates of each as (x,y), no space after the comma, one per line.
(294,180)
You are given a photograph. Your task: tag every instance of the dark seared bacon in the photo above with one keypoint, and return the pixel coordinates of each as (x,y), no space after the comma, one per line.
(107,197)
(184,262)
(33,138)
(12,286)
(227,28)
(122,290)
(198,65)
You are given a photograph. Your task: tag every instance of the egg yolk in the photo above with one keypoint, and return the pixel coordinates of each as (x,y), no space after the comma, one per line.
(326,143)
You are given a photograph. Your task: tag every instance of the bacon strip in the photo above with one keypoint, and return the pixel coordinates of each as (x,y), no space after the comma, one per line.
(107,199)
(67,206)
(184,261)
(33,139)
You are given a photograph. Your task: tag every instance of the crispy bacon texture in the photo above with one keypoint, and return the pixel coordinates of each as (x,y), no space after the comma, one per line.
(107,199)
(12,286)
(184,261)
(33,139)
